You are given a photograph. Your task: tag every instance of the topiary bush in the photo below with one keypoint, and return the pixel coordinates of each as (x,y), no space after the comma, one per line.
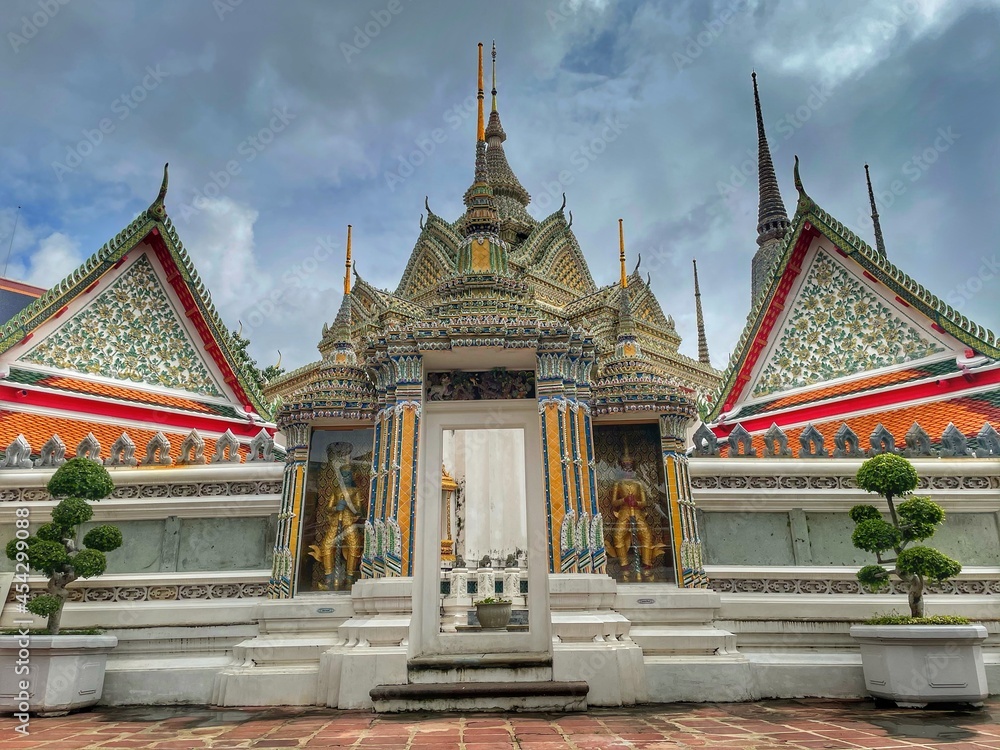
(52,549)
(914,520)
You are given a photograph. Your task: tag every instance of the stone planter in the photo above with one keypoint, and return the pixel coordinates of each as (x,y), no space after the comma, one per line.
(63,672)
(914,665)
(493,616)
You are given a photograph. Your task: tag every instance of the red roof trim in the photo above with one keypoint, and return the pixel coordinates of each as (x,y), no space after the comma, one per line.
(192,311)
(14,397)
(29,290)
(771,315)
(941,389)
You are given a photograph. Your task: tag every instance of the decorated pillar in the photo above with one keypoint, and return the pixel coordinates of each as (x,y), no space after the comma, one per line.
(575,528)
(282,582)
(388,549)
(552,406)
(688,559)
(593,534)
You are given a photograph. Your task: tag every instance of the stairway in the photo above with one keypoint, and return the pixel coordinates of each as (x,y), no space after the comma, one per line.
(481,682)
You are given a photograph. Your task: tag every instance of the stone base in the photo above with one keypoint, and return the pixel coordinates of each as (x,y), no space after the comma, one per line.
(914,665)
(481,696)
(66,672)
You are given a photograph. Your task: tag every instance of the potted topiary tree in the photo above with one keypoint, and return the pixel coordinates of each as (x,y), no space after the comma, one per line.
(54,673)
(913,660)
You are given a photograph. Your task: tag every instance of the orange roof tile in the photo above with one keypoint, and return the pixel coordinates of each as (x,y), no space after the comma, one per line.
(840,389)
(968,413)
(38,428)
(125,394)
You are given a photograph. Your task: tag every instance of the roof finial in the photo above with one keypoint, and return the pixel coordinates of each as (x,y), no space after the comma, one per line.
(278,365)
(621,254)
(481,124)
(772,219)
(702,340)
(879,242)
(157,208)
(494,92)
(347,264)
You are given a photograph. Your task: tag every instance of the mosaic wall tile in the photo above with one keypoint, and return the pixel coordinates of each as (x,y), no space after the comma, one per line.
(129,332)
(838,327)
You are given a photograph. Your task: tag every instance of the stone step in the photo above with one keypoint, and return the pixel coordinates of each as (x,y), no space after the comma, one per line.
(525,667)
(666,640)
(481,696)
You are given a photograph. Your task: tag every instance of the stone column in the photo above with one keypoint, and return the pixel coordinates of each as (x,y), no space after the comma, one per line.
(690,569)
(553,407)
(282,582)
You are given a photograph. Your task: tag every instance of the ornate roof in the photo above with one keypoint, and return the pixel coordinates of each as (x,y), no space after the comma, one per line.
(929,324)
(152,226)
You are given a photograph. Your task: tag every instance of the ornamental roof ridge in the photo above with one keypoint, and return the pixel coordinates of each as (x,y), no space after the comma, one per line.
(809,215)
(104,259)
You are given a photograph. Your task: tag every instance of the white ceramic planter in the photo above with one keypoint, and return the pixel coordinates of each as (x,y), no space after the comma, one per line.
(52,675)
(914,665)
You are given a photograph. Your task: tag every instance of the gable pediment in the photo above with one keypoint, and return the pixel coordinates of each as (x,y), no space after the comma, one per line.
(130,331)
(838,323)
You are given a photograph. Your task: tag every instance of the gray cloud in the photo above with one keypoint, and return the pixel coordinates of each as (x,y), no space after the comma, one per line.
(894,73)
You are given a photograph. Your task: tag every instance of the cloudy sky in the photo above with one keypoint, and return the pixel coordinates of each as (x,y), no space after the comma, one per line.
(284,122)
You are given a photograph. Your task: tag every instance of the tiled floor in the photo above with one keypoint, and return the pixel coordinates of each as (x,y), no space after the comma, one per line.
(770,724)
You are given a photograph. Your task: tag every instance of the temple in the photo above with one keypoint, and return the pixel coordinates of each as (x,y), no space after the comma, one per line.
(499,431)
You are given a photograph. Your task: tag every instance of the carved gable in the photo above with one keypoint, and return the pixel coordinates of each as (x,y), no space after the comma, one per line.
(130,331)
(428,266)
(836,326)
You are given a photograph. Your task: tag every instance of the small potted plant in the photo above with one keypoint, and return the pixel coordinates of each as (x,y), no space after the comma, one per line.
(492,613)
(57,673)
(912,660)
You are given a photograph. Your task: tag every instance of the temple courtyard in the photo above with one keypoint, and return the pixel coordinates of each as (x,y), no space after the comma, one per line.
(813,723)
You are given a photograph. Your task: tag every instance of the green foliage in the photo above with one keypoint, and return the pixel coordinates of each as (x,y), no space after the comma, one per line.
(874,577)
(72,511)
(43,631)
(909,620)
(493,600)
(241,347)
(81,478)
(53,552)
(45,605)
(53,532)
(876,535)
(48,557)
(919,518)
(913,520)
(11,548)
(89,563)
(104,538)
(861,513)
(888,475)
(927,562)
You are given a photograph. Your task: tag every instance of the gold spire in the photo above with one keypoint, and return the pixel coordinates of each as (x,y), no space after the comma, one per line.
(621,254)
(347,273)
(481,131)
(494,91)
